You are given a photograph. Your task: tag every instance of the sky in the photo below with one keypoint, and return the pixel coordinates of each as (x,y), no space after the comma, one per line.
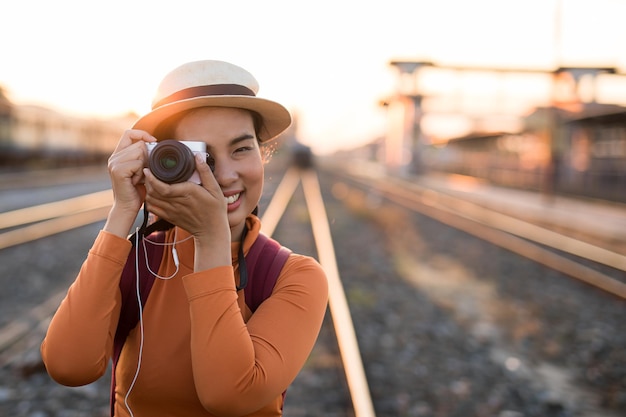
(327,61)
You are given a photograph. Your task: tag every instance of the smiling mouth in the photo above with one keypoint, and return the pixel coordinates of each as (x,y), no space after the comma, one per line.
(232,198)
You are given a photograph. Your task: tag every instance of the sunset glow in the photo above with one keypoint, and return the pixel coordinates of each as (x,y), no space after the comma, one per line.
(327,61)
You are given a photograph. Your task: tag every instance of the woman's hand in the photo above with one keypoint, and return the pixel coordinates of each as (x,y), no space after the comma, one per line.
(126,172)
(199,209)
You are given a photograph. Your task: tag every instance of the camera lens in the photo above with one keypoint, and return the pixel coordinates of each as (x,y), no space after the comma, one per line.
(171,161)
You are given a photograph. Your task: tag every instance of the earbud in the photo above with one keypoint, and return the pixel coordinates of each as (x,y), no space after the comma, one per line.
(175,256)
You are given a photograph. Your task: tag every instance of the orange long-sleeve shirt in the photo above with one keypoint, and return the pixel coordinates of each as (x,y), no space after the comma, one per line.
(204,353)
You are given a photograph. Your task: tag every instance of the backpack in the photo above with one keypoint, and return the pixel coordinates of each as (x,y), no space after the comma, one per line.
(264,261)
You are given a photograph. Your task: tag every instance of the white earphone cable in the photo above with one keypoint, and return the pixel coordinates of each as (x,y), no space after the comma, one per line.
(138,292)
(174,253)
(132,384)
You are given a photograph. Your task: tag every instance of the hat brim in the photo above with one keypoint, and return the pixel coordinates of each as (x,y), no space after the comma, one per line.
(276,118)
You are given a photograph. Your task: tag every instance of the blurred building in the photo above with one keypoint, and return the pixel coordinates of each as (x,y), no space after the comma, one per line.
(568,146)
(31,133)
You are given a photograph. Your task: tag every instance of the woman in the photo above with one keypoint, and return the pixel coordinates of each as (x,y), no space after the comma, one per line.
(198,350)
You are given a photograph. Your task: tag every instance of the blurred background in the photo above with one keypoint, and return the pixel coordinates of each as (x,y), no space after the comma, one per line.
(523,92)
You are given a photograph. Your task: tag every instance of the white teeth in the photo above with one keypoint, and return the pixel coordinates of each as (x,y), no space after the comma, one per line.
(231,199)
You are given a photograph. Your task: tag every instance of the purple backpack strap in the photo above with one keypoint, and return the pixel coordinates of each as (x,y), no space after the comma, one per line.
(129,314)
(264,261)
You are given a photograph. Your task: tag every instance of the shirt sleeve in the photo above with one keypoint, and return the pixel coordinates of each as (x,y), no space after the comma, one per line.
(249,364)
(79,341)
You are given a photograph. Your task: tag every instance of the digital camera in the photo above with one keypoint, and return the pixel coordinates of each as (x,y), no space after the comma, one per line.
(172,161)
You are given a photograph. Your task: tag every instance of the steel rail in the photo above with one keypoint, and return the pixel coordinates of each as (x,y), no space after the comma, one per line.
(501,230)
(280,200)
(52,227)
(514,226)
(17,329)
(342,320)
(46,220)
(60,208)
(51,218)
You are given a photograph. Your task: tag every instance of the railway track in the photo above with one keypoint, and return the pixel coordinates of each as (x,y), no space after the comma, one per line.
(371,382)
(537,243)
(344,328)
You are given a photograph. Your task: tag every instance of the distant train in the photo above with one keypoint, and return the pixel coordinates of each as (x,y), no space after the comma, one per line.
(581,153)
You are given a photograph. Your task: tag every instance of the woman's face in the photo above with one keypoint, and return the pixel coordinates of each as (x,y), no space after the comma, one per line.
(232,143)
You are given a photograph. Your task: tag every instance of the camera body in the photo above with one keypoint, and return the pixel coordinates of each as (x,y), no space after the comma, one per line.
(173,161)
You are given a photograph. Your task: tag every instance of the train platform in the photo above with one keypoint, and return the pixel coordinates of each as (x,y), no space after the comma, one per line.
(598,221)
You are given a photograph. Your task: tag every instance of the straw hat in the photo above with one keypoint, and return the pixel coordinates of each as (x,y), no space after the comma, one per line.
(213,84)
